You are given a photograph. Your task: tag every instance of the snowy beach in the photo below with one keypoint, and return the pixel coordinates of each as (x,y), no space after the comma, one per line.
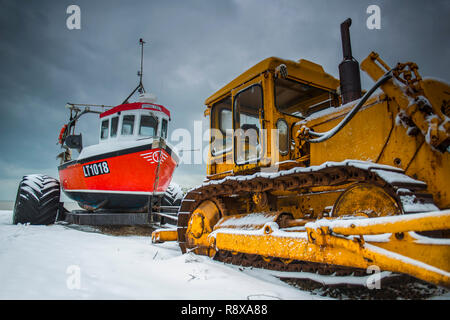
(40,262)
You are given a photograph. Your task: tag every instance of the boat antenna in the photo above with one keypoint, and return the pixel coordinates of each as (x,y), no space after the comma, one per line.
(140,73)
(140,87)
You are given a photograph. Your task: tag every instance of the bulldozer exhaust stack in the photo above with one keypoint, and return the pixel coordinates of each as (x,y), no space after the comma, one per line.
(349,67)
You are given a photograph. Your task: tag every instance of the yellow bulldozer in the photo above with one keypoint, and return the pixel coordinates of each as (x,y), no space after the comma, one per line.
(310,173)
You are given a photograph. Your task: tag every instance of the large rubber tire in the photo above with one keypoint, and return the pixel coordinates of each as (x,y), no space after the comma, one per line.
(173,196)
(37,200)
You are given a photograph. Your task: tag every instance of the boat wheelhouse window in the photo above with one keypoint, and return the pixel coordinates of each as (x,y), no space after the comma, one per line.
(300,100)
(104,129)
(127,125)
(114,127)
(221,119)
(148,126)
(164,128)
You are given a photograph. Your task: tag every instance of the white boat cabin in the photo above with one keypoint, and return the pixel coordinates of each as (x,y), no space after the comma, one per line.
(134,121)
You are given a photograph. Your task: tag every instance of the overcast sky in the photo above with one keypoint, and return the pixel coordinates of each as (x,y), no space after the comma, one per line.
(193,48)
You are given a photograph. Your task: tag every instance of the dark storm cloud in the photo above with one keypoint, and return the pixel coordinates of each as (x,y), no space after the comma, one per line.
(193,48)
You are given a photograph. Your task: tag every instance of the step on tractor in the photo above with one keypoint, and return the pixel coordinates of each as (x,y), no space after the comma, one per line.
(125,179)
(307,172)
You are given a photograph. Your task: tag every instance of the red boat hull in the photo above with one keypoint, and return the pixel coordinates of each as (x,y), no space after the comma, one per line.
(122,179)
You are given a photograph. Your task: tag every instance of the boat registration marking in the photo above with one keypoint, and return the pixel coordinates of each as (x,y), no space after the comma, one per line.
(95,169)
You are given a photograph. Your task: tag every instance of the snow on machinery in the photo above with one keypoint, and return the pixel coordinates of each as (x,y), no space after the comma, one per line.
(360,179)
(117,181)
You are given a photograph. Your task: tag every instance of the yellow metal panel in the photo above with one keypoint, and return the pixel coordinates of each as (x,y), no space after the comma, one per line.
(339,251)
(286,247)
(433,167)
(163,235)
(426,261)
(413,222)
(435,254)
(363,138)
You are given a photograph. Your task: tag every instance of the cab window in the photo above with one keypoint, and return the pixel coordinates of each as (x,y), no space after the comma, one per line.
(147,126)
(114,127)
(104,129)
(164,124)
(127,125)
(248,109)
(283,136)
(300,100)
(221,120)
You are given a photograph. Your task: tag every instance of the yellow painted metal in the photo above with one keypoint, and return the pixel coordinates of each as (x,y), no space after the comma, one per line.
(163,235)
(366,200)
(288,246)
(416,153)
(365,136)
(434,168)
(429,221)
(416,247)
(331,242)
(385,259)
(200,225)
(339,251)
(407,94)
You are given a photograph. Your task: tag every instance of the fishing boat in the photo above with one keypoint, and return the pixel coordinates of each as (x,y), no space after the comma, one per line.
(132,164)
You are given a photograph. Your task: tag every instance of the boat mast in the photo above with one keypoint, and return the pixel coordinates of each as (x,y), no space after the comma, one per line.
(140,87)
(140,73)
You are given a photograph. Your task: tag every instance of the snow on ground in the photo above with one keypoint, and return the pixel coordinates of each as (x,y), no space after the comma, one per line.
(42,262)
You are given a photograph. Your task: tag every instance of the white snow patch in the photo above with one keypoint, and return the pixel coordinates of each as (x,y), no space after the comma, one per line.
(252,219)
(260,232)
(395,177)
(410,204)
(34,261)
(327,279)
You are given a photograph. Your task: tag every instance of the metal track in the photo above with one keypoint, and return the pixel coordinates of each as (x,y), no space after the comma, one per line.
(331,174)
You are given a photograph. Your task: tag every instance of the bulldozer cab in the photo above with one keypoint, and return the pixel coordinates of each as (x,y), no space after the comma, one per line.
(252,117)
